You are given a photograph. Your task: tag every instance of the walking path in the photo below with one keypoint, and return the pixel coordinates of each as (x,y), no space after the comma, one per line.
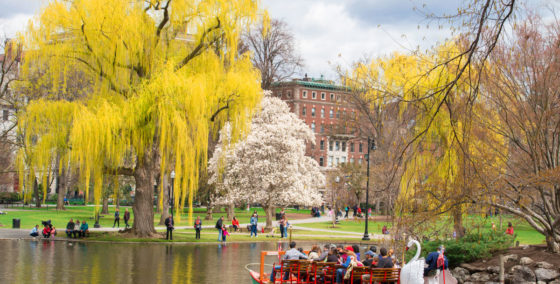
(6,233)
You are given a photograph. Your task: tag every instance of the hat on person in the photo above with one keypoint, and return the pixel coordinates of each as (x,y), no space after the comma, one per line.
(333,246)
(350,248)
(370,253)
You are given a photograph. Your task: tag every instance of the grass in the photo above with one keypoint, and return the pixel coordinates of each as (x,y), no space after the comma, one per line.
(32,216)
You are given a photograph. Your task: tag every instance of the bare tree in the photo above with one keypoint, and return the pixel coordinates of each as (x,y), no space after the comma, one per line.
(273,51)
(523,88)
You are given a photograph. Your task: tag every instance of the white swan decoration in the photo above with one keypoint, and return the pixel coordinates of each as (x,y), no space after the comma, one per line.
(413,271)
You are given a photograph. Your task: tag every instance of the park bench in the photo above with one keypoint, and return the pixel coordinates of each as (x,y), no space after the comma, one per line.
(383,275)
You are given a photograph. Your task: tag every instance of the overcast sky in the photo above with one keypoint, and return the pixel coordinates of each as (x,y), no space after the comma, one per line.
(327,32)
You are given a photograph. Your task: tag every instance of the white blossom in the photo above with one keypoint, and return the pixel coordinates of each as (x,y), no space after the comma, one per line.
(269,166)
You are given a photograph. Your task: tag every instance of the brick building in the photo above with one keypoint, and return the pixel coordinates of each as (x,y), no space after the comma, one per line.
(322,105)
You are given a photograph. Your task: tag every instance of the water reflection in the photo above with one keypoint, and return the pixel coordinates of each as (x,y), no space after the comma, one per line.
(62,262)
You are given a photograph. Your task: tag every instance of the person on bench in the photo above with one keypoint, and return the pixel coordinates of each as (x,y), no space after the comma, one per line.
(84,229)
(71,228)
(235,224)
(291,254)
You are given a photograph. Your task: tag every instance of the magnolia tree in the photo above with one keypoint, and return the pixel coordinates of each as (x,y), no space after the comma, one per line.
(269,166)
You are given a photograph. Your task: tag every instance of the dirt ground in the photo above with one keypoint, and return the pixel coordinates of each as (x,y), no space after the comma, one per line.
(536,253)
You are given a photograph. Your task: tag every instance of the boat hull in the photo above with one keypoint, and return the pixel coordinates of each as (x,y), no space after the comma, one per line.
(255,277)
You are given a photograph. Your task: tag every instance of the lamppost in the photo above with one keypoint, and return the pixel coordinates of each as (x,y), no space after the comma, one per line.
(334,209)
(171,195)
(371,146)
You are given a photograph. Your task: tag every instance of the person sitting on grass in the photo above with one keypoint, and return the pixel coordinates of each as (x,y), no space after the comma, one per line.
(35,231)
(70,228)
(46,232)
(84,229)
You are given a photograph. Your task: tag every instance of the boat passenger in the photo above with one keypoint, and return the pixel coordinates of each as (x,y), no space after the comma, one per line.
(384,261)
(291,254)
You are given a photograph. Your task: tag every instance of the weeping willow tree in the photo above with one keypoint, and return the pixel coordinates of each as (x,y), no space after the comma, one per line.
(164,76)
(450,157)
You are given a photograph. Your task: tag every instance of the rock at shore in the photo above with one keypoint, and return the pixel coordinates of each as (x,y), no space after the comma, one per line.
(544,264)
(544,274)
(521,274)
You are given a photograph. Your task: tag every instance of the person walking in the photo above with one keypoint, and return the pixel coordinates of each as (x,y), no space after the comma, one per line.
(197,227)
(169,225)
(126,217)
(254,222)
(347,209)
(219,226)
(117,218)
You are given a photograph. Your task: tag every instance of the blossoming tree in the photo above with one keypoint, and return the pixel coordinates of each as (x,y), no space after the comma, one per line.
(269,166)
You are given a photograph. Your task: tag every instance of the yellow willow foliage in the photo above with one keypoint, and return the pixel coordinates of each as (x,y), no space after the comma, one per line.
(147,91)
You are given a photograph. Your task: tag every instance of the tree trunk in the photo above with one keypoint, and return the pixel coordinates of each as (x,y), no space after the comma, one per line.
(552,244)
(105,209)
(165,208)
(269,211)
(230,212)
(458,223)
(61,185)
(143,207)
(377,203)
(36,192)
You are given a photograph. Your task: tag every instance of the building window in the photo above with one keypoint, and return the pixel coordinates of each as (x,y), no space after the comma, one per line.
(313,95)
(322,113)
(331,113)
(279,94)
(313,126)
(6,114)
(343,146)
(304,94)
(322,145)
(338,114)
(360,148)
(313,112)
(337,162)
(323,96)
(304,111)
(360,161)
(343,160)
(337,146)
(331,145)
(330,161)
(321,161)
(332,97)
(352,147)
(322,128)
(352,160)
(312,146)
(289,94)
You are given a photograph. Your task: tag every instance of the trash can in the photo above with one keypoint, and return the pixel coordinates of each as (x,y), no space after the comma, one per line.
(278,216)
(16,223)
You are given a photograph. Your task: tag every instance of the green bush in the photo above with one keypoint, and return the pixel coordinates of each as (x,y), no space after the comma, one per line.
(9,197)
(471,247)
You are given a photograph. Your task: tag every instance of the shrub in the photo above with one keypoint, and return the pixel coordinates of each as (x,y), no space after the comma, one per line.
(471,247)
(9,197)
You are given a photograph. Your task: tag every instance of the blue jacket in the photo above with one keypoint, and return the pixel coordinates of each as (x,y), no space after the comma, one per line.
(431,260)
(253,221)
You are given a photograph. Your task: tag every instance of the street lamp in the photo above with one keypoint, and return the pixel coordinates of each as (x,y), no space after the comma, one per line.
(334,210)
(171,195)
(371,146)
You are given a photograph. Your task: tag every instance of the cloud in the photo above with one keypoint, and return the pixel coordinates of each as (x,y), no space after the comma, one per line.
(330,33)
(9,27)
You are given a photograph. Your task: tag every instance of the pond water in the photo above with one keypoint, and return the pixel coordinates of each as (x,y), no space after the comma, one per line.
(25,261)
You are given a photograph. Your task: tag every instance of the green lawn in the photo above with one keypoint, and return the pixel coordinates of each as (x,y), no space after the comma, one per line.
(32,216)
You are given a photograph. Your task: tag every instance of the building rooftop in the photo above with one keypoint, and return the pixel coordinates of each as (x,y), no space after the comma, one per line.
(313,83)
